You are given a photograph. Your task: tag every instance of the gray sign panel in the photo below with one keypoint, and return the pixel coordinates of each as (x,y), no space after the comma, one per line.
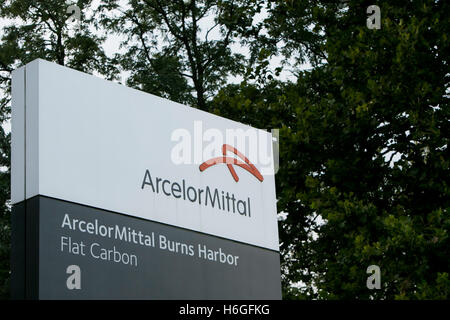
(88,253)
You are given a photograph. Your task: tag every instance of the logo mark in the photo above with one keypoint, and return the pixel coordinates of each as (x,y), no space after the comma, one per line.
(247,165)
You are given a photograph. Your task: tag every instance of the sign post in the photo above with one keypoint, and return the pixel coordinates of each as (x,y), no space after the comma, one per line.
(119,194)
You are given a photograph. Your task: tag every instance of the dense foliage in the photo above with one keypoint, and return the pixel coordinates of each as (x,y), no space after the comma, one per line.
(364,153)
(364,173)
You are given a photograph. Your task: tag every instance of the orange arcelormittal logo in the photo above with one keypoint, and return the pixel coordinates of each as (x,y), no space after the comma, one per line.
(247,165)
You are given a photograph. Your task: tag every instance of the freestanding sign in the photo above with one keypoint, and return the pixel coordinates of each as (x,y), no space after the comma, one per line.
(119,194)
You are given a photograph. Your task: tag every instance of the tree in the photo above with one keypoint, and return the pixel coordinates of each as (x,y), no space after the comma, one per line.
(364,159)
(172,50)
(39,29)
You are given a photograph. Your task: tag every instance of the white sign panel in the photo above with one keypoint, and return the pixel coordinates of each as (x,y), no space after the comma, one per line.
(86,140)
